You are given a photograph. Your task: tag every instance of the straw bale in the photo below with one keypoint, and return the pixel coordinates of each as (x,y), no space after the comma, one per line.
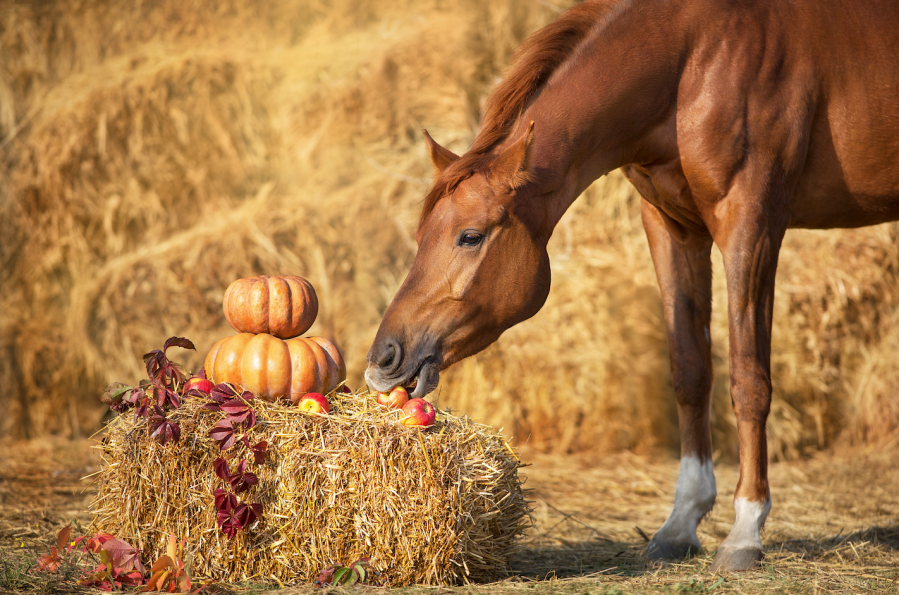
(428,506)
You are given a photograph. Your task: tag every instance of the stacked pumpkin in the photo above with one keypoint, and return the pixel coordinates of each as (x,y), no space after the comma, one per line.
(268,357)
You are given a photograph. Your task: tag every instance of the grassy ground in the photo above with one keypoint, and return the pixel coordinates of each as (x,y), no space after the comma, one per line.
(834,527)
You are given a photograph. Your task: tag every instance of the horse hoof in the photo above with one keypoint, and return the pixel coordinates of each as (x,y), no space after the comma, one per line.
(737,560)
(662,551)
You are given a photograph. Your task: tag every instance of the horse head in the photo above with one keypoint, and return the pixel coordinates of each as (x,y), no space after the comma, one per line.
(481,268)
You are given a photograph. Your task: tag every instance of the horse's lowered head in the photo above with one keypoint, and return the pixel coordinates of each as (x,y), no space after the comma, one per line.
(481,268)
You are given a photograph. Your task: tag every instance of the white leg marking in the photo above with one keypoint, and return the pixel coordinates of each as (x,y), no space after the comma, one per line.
(746,532)
(694,499)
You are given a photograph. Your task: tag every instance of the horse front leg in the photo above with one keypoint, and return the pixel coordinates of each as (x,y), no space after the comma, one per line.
(684,270)
(750,242)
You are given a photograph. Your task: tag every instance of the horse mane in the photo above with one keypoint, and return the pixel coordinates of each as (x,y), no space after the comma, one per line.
(531,67)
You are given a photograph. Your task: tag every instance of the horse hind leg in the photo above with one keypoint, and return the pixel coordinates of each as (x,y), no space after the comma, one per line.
(683,267)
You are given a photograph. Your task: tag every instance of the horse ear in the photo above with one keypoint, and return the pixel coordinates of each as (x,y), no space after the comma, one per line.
(513,165)
(440,157)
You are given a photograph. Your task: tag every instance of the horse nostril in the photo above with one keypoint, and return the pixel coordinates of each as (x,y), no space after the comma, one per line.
(390,356)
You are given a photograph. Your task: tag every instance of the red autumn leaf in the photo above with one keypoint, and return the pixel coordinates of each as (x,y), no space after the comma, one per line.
(162,429)
(223,433)
(213,404)
(143,408)
(248,513)
(229,528)
(224,500)
(95,542)
(165,430)
(259,449)
(234,407)
(178,342)
(221,469)
(225,390)
(49,562)
(163,396)
(232,516)
(239,411)
(62,538)
(120,565)
(123,555)
(161,369)
(219,394)
(174,375)
(228,522)
(241,480)
(154,361)
(107,577)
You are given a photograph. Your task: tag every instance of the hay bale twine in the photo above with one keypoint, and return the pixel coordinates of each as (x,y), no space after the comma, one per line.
(428,506)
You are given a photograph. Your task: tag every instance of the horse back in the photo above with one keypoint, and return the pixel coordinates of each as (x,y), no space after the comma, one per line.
(811,86)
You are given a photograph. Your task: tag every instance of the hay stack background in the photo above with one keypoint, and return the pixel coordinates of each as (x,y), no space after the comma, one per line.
(154,152)
(440,505)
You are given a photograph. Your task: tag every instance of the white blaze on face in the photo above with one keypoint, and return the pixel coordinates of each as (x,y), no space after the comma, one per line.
(746,532)
(694,499)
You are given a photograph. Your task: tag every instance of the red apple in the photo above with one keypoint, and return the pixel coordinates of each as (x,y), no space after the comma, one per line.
(314,403)
(200,384)
(345,389)
(396,398)
(419,413)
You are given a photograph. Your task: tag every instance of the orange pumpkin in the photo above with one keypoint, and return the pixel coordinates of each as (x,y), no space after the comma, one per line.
(284,306)
(273,368)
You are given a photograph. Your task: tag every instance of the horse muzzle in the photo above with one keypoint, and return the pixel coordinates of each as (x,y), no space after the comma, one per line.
(391,365)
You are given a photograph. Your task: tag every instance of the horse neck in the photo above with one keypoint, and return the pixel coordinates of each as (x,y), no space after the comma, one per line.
(598,110)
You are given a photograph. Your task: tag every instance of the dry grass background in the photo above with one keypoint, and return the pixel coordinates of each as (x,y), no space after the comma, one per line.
(154,152)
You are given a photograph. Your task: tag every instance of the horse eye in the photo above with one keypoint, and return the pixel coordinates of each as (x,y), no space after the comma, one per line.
(470,239)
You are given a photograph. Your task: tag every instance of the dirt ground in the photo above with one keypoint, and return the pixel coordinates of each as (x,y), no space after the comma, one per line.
(834,527)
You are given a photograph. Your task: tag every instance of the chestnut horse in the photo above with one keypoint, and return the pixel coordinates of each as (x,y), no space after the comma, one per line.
(735,120)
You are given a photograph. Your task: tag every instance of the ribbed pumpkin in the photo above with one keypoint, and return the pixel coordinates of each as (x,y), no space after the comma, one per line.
(284,306)
(273,368)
